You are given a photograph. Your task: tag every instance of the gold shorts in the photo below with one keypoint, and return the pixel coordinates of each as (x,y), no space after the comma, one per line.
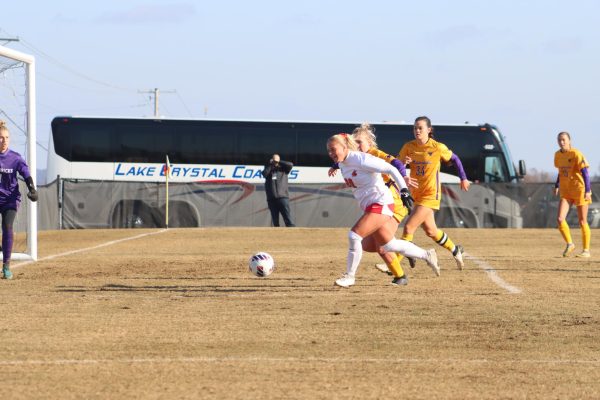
(576,199)
(399,210)
(429,203)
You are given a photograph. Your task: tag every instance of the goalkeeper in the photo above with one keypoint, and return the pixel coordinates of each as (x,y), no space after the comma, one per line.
(11,163)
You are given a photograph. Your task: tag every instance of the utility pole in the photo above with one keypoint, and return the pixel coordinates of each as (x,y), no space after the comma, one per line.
(156,93)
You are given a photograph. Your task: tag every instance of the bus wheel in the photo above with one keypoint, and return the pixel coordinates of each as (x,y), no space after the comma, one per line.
(132,215)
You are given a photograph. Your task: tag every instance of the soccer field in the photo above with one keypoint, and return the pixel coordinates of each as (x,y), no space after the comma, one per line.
(176,314)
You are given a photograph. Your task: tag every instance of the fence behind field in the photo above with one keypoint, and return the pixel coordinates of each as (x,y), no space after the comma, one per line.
(106,204)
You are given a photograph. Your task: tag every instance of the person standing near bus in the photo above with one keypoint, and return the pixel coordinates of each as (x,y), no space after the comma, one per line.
(424,155)
(573,187)
(362,172)
(11,163)
(276,173)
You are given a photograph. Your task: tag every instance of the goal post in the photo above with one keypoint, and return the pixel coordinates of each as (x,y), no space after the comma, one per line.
(29,128)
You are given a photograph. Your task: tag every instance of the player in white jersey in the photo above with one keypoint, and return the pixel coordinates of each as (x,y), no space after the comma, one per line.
(362,172)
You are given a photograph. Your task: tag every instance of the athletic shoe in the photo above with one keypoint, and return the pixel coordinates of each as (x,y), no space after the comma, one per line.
(584,254)
(570,247)
(432,261)
(345,281)
(412,262)
(459,256)
(400,281)
(383,268)
(6,272)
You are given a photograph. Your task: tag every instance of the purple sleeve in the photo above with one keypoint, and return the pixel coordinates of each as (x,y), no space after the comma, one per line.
(586,179)
(556,184)
(399,166)
(459,167)
(23,169)
(335,166)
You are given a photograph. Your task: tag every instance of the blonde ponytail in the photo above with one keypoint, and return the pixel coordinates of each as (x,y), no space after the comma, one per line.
(345,140)
(365,130)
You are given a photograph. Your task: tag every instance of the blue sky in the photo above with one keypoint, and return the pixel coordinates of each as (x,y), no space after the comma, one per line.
(530,67)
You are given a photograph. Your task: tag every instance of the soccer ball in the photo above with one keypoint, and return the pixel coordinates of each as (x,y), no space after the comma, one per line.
(262,264)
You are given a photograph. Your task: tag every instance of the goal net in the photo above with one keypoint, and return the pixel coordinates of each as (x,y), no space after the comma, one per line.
(17,110)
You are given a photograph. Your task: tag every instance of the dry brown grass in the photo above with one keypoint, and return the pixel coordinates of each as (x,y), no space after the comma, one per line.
(177,315)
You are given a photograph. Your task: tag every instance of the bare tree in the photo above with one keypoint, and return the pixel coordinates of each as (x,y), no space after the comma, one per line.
(535,175)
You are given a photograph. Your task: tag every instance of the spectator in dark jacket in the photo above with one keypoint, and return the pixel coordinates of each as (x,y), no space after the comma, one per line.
(276,185)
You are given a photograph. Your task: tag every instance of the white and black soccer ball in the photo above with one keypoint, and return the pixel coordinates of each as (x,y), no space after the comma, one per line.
(262,264)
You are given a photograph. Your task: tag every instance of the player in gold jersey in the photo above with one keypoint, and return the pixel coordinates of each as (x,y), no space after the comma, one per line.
(424,155)
(573,186)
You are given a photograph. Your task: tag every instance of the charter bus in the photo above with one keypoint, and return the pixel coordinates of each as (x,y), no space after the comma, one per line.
(230,151)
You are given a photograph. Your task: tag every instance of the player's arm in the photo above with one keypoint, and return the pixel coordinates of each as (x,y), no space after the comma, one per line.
(23,170)
(333,169)
(586,182)
(395,163)
(556,184)
(449,156)
(374,164)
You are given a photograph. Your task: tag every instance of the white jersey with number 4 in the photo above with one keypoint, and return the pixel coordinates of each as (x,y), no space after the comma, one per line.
(362,172)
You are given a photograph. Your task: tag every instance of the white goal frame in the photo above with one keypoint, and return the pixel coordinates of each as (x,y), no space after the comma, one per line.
(29,61)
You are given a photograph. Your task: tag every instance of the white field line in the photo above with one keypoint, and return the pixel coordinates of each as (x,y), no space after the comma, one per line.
(493,275)
(68,253)
(326,360)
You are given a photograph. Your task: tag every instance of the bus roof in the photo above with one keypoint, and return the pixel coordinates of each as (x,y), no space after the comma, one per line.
(258,120)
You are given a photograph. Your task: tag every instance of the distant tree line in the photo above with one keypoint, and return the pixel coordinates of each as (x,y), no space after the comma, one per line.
(535,175)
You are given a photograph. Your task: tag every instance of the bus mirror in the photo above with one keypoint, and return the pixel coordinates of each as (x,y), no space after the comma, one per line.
(522,168)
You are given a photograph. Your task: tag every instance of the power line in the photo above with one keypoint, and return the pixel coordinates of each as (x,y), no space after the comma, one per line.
(156,93)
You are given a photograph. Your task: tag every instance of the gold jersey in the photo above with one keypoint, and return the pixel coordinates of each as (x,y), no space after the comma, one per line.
(569,164)
(425,168)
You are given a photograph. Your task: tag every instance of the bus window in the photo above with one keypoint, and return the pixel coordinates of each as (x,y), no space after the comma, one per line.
(210,145)
(91,143)
(258,143)
(143,142)
(494,171)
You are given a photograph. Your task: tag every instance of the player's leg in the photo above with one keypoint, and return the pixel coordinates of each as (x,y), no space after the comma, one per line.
(415,219)
(368,223)
(409,249)
(8,219)
(563,227)
(586,234)
(382,236)
(442,238)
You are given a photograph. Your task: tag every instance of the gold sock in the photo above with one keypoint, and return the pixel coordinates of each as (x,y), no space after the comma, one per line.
(395,267)
(586,236)
(407,237)
(444,240)
(565,232)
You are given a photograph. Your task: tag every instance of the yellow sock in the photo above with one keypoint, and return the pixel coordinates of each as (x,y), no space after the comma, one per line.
(586,236)
(395,267)
(444,240)
(408,237)
(565,232)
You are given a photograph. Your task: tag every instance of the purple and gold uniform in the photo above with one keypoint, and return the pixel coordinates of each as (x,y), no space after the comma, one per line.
(572,184)
(400,211)
(425,168)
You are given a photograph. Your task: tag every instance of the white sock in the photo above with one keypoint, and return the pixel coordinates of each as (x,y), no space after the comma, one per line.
(406,248)
(354,253)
